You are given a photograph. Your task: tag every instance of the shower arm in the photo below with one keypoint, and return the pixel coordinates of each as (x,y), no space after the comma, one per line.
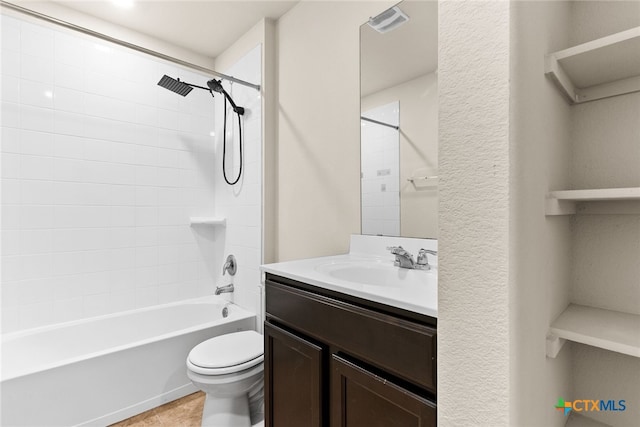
(238,110)
(192,85)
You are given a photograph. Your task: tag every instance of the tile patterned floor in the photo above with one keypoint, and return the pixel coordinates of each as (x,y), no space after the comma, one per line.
(184,412)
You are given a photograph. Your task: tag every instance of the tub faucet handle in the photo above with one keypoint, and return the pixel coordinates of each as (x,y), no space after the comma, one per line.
(230,266)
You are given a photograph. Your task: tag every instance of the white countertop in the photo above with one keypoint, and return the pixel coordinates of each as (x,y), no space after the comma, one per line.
(421,298)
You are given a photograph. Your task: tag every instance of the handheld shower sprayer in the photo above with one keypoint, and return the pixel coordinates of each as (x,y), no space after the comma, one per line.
(213,85)
(216,86)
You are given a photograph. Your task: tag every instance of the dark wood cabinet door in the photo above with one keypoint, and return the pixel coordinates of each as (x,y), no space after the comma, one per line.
(293,379)
(360,398)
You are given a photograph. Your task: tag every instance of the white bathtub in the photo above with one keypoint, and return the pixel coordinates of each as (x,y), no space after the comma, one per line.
(105,369)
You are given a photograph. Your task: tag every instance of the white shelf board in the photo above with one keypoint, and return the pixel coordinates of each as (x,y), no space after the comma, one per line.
(607,329)
(602,68)
(205,220)
(602,194)
(564,202)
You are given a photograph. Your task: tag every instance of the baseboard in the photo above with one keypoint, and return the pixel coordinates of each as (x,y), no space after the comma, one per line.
(141,407)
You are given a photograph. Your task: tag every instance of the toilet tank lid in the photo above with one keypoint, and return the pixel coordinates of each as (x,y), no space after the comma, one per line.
(228,350)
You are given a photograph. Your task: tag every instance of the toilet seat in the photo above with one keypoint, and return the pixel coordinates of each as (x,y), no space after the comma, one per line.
(227,354)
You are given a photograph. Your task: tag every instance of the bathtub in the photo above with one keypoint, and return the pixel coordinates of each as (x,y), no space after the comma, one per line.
(105,369)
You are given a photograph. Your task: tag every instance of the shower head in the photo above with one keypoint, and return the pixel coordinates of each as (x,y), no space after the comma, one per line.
(174,85)
(183,88)
(216,85)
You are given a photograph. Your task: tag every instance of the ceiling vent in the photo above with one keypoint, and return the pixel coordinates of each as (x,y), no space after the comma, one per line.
(388,20)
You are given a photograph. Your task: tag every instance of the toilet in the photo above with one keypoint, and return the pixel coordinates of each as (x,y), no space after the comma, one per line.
(229,369)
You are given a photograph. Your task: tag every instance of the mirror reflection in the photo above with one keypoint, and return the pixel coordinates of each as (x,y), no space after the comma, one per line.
(399,121)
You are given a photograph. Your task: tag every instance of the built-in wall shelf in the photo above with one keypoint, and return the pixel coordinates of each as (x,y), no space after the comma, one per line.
(564,202)
(208,220)
(602,68)
(597,327)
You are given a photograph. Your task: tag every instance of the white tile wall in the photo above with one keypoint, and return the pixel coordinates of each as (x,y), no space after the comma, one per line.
(241,204)
(380,167)
(101,170)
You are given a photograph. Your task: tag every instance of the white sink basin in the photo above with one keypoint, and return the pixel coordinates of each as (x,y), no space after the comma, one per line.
(370,277)
(377,273)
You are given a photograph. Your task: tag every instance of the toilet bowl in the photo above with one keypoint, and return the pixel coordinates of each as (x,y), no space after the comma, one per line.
(229,369)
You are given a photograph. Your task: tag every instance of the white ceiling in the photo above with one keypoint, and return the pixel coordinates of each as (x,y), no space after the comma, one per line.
(402,54)
(207,27)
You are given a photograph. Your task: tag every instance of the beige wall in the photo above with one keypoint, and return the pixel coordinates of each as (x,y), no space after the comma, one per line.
(605,273)
(318,152)
(418,151)
(474,283)
(253,37)
(540,246)
(583,259)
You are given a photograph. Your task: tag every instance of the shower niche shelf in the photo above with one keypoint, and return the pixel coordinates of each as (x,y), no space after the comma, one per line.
(602,68)
(597,327)
(208,221)
(566,202)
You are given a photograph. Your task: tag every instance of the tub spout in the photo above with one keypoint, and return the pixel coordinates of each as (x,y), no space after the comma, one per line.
(224,289)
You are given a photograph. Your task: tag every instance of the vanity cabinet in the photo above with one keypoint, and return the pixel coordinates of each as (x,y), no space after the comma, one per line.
(362,398)
(336,360)
(293,374)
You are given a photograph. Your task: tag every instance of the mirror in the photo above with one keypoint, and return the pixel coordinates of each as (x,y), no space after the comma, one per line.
(399,121)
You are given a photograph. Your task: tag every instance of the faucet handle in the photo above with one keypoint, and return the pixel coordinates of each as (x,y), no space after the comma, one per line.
(230,266)
(423,260)
(404,258)
(428,251)
(398,250)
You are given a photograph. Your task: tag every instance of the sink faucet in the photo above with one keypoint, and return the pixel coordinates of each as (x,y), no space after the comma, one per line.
(224,289)
(423,262)
(403,258)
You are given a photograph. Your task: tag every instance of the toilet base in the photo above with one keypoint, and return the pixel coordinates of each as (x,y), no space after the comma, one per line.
(225,412)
